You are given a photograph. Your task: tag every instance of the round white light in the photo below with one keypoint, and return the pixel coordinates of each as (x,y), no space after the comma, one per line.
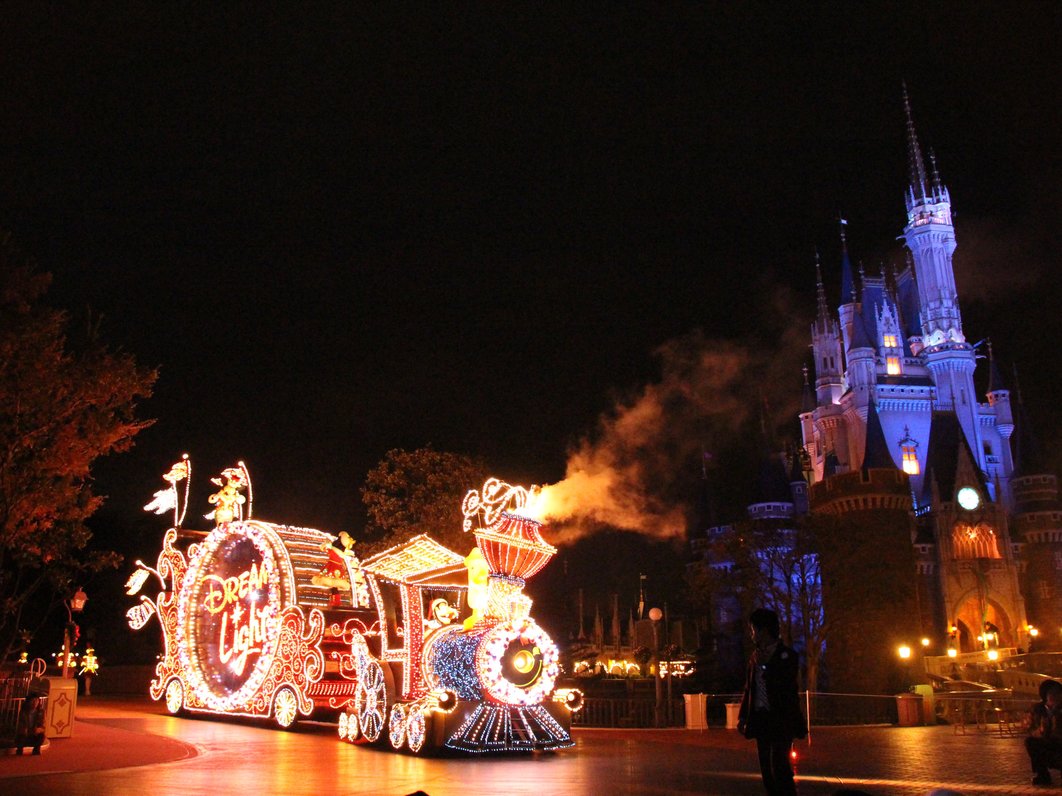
(968,498)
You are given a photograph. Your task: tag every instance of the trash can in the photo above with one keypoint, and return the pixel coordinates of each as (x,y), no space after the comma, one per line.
(696,716)
(929,702)
(909,710)
(59,712)
(732,711)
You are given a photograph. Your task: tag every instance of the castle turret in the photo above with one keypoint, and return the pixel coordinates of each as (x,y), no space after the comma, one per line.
(930,236)
(826,346)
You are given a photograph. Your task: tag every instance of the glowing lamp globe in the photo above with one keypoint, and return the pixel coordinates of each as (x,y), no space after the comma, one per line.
(656,614)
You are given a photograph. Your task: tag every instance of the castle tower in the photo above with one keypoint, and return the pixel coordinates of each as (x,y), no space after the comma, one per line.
(826,346)
(930,237)
(869,585)
(977,569)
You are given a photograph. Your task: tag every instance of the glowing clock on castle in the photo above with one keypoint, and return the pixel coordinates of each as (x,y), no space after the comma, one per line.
(968,498)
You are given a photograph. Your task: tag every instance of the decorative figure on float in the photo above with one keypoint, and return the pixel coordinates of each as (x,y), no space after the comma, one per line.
(167,499)
(442,614)
(478,586)
(334,572)
(227,501)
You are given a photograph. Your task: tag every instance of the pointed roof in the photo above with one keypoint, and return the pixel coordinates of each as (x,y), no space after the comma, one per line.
(916,166)
(995,378)
(848,290)
(823,313)
(947,445)
(876,453)
(1028,457)
(707,512)
(860,338)
(831,464)
(807,396)
(774,483)
(796,470)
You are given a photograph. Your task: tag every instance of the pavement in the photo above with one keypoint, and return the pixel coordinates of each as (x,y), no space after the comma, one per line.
(129,745)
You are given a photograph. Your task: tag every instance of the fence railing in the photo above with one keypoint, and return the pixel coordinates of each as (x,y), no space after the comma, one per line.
(629,712)
(13,692)
(823,708)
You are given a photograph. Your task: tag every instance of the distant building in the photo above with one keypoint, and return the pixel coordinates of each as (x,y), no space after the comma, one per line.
(899,453)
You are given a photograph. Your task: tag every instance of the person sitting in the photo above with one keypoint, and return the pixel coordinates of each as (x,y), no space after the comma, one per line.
(1044,744)
(29,730)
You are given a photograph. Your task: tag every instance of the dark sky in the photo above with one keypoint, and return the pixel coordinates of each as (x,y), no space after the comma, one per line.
(339,230)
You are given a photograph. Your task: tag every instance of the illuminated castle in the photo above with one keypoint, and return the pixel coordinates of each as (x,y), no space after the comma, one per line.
(894,390)
(902,458)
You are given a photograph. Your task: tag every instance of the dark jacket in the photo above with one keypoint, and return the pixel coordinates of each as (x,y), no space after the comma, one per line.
(780,675)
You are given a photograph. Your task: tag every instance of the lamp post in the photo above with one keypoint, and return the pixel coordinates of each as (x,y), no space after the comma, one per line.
(655,614)
(74,605)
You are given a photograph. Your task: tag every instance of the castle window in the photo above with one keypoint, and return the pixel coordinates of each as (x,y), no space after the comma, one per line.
(892,366)
(1058,559)
(909,451)
(1044,588)
(974,541)
(890,341)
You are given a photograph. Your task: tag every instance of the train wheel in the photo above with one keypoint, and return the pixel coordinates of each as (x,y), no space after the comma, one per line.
(416,731)
(352,727)
(370,701)
(285,707)
(344,722)
(174,696)
(396,726)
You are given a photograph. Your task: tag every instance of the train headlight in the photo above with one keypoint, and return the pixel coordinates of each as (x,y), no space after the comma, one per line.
(522,663)
(517,663)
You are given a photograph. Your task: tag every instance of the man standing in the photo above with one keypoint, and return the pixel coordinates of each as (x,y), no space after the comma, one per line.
(770,708)
(1044,743)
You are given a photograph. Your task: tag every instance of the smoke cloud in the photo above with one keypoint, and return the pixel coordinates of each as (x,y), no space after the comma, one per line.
(637,471)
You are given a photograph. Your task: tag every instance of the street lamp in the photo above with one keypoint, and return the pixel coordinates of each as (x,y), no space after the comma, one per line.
(655,614)
(74,605)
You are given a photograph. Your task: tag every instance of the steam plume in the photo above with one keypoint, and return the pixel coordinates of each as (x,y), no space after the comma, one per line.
(628,475)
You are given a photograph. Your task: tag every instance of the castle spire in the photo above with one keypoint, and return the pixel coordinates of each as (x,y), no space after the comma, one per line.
(935,175)
(915,164)
(848,291)
(807,397)
(995,377)
(824,312)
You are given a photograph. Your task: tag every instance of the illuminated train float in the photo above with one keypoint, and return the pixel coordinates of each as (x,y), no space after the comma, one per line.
(417,646)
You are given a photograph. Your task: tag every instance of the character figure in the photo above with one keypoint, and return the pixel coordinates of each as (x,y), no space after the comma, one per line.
(228,501)
(478,583)
(442,613)
(334,572)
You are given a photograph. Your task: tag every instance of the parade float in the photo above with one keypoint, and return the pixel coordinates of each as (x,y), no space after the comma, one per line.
(418,646)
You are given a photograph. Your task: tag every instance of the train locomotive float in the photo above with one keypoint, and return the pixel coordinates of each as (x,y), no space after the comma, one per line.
(418,646)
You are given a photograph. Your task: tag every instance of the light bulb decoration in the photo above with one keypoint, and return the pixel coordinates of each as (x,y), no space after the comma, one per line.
(250,628)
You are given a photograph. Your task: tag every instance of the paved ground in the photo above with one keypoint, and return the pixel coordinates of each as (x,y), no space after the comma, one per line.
(130,746)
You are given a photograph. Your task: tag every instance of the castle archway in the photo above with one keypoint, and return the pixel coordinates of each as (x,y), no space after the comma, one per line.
(968,618)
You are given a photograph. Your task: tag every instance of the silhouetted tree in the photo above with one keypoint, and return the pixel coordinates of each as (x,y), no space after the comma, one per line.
(420,491)
(62,406)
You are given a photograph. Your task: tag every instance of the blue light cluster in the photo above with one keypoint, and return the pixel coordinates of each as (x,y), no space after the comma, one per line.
(452,660)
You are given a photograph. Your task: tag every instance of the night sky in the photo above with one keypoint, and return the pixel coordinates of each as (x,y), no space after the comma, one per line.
(339,231)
